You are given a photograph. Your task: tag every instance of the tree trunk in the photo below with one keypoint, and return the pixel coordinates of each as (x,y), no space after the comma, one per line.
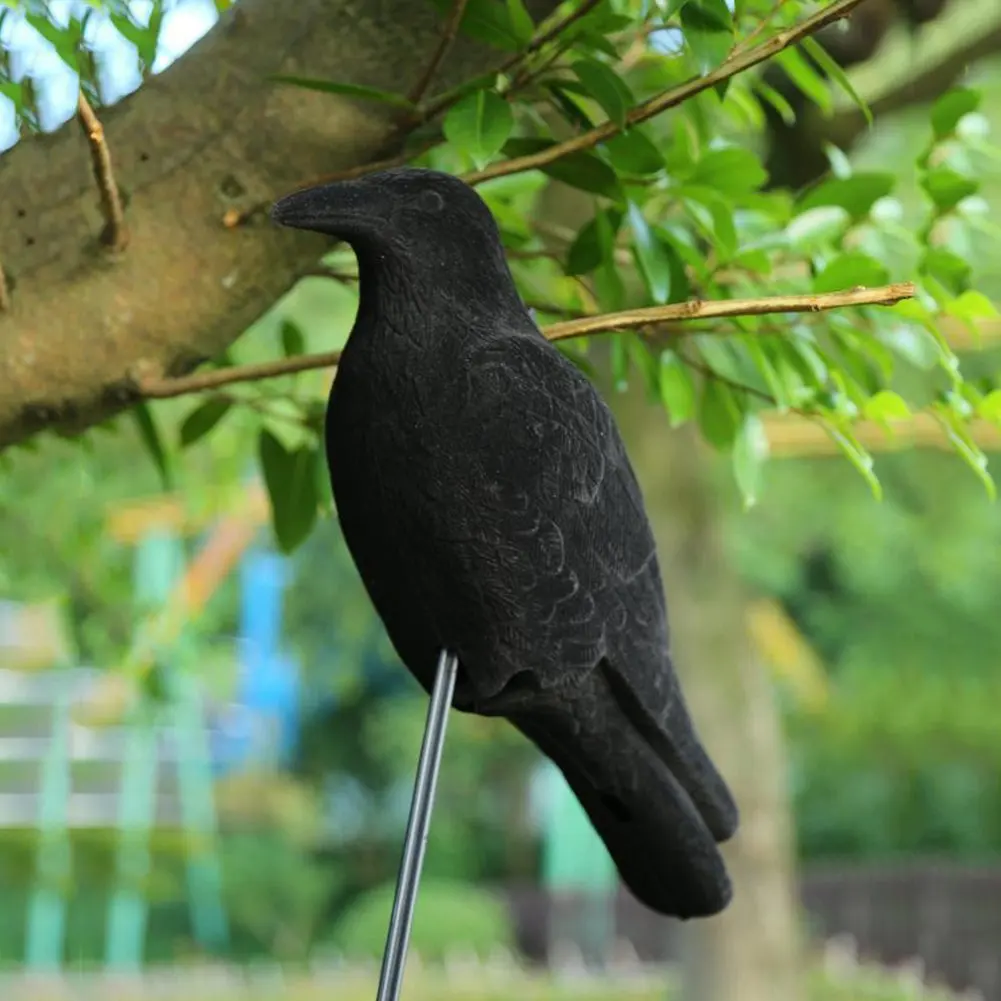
(752,951)
(212,133)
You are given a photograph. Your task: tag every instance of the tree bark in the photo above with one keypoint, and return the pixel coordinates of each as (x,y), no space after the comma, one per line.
(83,323)
(752,951)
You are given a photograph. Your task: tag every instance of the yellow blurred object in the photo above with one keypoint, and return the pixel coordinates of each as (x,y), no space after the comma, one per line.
(128,523)
(786,652)
(107,702)
(33,637)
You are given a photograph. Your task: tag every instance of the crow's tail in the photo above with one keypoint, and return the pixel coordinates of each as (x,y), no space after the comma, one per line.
(658,805)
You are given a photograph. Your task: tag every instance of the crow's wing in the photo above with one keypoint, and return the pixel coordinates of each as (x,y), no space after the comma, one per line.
(553,559)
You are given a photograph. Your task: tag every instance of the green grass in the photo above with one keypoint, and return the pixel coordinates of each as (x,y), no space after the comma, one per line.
(482,984)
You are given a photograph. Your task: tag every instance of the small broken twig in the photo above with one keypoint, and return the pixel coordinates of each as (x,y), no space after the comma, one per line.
(115,234)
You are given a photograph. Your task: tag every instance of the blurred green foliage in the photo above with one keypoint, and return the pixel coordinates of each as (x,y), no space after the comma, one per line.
(451,916)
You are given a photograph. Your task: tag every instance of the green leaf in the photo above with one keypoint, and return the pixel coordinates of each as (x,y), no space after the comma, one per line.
(585,171)
(609,286)
(677,391)
(633,152)
(651,257)
(950,108)
(486,21)
(708,31)
(345,89)
(594,242)
(521,21)
(202,419)
(719,414)
(293,341)
(957,431)
(946,187)
(971,306)
(858,456)
(849,270)
(729,171)
(834,72)
(594,41)
(291,481)
(620,362)
(856,194)
(720,224)
(885,407)
(806,78)
(776,100)
(990,407)
(479,125)
(818,227)
(750,450)
(606,87)
(150,435)
(947,267)
(564,99)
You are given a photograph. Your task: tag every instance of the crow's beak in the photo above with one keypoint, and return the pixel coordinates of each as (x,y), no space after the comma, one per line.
(326,208)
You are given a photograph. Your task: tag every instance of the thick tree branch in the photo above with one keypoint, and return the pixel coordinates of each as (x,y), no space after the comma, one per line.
(207,136)
(738,63)
(629,320)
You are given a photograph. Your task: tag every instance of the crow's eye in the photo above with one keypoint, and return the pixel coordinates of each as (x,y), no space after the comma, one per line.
(430,201)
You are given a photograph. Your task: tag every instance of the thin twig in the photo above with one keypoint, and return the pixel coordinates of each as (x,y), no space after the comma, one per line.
(448,34)
(631,319)
(755,33)
(741,387)
(668,99)
(4,291)
(445,100)
(115,234)
(159,389)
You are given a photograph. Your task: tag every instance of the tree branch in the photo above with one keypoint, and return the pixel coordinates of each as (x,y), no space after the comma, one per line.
(695,309)
(735,65)
(209,135)
(448,34)
(115,234)
(628,320)
(796,438)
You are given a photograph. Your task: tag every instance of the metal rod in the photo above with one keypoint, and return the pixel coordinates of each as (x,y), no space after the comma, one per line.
(421,806)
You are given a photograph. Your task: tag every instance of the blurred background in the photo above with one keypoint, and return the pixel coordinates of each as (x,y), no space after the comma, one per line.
(207,745)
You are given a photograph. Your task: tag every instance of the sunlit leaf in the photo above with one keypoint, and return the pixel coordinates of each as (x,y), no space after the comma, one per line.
(950,108)
(750,450)
(677,391)
(479,125)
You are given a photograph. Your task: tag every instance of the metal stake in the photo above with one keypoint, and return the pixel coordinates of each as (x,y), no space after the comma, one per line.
(421,805)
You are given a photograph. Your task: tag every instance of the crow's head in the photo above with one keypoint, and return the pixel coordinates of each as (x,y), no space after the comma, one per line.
(428,228)
(404,204)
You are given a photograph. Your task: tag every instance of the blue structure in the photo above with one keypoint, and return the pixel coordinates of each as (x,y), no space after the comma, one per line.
(262,723)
